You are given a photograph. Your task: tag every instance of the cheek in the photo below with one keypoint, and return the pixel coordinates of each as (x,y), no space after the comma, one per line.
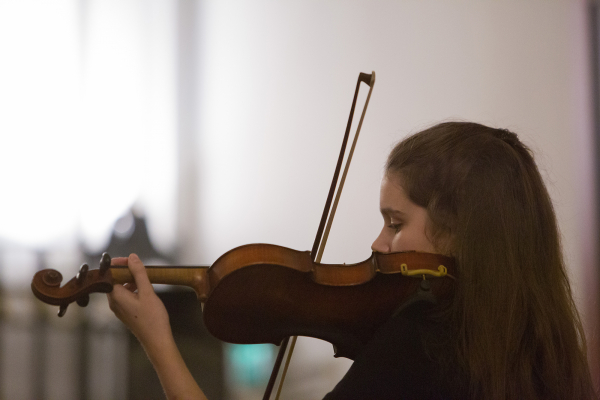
(403,242)
(412,240)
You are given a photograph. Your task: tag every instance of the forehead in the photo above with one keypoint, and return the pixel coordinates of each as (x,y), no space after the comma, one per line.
(393,197)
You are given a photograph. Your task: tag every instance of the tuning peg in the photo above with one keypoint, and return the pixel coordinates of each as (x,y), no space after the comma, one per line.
(83,301)
(62,310)
(83,270)
(104,263)
(52,278)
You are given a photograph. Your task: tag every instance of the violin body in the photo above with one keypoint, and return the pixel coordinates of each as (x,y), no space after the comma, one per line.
(263,293)
(280,292)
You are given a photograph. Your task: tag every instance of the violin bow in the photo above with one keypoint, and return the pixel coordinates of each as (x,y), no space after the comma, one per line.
(326,221)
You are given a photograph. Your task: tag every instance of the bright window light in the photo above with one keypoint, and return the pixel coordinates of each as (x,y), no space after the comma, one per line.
(87,126)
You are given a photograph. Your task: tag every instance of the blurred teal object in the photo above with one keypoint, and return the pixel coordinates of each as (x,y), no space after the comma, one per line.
(250,364)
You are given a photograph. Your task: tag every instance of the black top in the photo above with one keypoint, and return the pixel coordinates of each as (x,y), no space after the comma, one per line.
(401,362)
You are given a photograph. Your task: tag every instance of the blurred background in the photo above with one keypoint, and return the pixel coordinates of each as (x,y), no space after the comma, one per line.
(180,129)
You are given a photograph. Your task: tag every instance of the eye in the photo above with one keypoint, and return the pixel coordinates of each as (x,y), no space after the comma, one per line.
(395,227)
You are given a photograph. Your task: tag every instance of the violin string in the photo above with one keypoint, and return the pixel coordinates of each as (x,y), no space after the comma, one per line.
(330,221)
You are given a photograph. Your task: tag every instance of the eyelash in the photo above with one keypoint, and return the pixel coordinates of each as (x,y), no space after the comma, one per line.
(395,227)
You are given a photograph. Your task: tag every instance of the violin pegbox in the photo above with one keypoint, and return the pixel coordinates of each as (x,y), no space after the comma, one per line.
(46,285)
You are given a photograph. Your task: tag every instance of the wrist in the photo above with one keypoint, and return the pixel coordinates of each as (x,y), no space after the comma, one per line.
(160,348)
(175,378)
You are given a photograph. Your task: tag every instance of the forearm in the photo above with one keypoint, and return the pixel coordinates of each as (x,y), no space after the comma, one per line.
(175,377)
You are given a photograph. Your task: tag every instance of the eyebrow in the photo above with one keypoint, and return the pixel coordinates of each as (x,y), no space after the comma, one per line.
(391,211)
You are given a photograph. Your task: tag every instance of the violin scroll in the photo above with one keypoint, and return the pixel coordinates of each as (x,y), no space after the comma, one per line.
(46,285)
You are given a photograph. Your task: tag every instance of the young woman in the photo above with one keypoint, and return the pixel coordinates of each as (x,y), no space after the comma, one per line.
(510,329)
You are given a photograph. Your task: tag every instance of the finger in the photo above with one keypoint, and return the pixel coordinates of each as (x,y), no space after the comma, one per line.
(119,299)
(130,286)
(120,292)
(119,261)
(140,276)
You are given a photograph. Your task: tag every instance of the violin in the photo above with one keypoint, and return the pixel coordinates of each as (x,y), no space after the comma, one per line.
(263,293)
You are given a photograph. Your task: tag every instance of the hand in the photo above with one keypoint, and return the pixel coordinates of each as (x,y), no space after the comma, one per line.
(146,316)
(142,311)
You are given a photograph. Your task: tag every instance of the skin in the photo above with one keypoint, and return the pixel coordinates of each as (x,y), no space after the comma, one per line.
(140,309)
(404,222)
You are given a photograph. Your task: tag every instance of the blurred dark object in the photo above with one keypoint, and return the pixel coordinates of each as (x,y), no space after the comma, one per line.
(202,353)
(130,235)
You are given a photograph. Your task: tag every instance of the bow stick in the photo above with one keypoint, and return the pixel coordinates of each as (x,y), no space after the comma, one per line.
(326,221)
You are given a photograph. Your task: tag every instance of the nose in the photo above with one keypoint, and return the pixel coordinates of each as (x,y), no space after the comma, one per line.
(381,244)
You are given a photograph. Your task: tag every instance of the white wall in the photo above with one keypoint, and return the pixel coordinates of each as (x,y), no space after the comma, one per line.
(276,85)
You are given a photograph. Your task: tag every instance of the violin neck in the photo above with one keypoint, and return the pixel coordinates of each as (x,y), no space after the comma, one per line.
(193,277)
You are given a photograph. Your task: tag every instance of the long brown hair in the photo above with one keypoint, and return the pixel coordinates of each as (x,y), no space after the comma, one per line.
(517,333)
